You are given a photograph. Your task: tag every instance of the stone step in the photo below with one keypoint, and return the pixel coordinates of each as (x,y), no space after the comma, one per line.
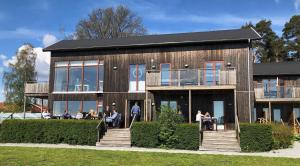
(221,149)
(99,144)
(115,141)
(219,141)
(118,138)
(220,144)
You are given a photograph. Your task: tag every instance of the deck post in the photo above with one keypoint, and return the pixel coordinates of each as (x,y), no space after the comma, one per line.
(190,106)
(126,110)
(270,112)
(146,106)
(294,121)
(235,106)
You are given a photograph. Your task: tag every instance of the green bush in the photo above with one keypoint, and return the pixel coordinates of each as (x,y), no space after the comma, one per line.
(77,132)
(255,137)
(146,134)
(282,136)
(297,138)
(188,136)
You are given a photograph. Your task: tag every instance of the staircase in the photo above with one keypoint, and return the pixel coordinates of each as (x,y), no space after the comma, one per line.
(115,138)
(220,141)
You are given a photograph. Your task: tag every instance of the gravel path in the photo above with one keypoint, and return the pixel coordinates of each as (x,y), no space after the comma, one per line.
(293,152)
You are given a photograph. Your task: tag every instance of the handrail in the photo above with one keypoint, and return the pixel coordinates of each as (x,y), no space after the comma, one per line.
(298,122)
(238,130)
(98,133)
(10,116)
(282,122)
(133,119)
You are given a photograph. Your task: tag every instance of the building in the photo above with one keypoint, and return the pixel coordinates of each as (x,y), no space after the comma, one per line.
(207,71)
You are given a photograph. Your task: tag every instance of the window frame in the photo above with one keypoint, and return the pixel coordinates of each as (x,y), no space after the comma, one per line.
(136,78)
(170,74)
(214,71)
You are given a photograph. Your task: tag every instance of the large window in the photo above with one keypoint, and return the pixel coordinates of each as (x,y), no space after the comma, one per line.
(90,76)
(59,107)
(61,75)
(77,76)
(165,74)
(270,88)
(212,72)
(74,107)
(137,78)
(89,106)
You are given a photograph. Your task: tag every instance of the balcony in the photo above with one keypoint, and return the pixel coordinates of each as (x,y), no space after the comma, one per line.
(37,89)
(190,79)
(278,93)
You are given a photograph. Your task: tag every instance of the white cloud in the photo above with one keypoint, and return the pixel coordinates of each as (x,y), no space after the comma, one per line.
(49,39)
(297,4)
(42,64)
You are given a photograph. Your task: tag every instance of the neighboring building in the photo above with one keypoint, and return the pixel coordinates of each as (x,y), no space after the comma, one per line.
(277,92)
(207,71)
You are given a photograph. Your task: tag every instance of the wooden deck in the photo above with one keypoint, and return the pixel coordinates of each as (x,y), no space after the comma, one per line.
(37,89)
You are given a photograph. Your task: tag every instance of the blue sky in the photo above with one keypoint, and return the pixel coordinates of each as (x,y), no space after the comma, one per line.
(40,22)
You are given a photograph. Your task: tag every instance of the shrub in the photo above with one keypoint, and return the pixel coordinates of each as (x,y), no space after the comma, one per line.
(188,136)
(282,136)
(255,137)
(50,131)
(168,120)
(145,134)
(297,138)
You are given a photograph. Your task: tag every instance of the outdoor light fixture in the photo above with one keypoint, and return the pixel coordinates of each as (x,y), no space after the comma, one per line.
(115,68)
(186,65)
(113,104)
(228,64)
(152,64)
(152,104)
(153,67)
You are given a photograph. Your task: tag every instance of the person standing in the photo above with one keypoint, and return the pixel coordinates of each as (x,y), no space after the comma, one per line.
(136,111)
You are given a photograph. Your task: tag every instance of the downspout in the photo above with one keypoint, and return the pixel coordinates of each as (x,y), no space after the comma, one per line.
(249,85)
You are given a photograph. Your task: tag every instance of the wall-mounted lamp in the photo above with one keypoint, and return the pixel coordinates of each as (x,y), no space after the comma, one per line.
(115,68)
(113,104)
(228,64)
(153,66)
(186,66)
(152,104)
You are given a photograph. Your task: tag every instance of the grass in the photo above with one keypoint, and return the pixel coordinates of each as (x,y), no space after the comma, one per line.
(47,156)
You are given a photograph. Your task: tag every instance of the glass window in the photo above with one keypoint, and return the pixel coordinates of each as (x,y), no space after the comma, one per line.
(90,63)
(90,78)
(74,107)
(172,104)
(277,115)
(165,74)
(59,108)
(137,77)
(89,106)
(60,80)
(75,78)
(212,73)
(101,75)
(61,64)
(270,88)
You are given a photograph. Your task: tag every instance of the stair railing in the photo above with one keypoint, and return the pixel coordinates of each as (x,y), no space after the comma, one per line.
(9,117)
(237,128)
(298,125)
(98,128)
(133,119)
(282,122)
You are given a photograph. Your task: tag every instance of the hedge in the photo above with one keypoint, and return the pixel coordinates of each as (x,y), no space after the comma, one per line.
(282,136)
(255,137)
(188,136)
(146,134)
(79,132)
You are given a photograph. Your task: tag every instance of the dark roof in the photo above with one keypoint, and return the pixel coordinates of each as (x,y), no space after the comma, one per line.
(276,69)
(153,40)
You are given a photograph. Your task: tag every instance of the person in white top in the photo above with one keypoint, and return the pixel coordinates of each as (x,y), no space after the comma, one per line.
(46,115)
(79,115)
(198,116)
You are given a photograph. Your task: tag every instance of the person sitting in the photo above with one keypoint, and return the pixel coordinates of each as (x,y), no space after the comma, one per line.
(112,118)
(207,121)
(46,115)
(66,115)
(79,115)
(94,114)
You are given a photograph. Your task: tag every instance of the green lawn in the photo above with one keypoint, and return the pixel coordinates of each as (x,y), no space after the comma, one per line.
(44,156)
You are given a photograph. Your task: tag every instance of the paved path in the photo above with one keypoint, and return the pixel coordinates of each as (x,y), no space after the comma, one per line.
(291,152)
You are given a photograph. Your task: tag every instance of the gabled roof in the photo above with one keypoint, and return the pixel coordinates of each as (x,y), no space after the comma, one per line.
(276,69)
(156,40)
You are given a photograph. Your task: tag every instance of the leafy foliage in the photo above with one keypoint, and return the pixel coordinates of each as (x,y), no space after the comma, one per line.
(168,120)
(255,137)
(282,136)
(78,132)
(291,35)
(110,23)
(145,134)
(19,72)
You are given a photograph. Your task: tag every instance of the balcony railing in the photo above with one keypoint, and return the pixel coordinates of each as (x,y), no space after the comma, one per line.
(190,77)
(277,92)
(37,88)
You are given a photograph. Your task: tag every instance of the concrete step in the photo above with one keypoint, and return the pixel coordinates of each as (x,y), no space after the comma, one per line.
(116,138)
(219,141)
(99,144)
(115,141)
(221,149)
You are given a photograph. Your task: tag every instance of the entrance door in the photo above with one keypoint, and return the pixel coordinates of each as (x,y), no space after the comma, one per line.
(219,113)
(131,103)
(277,115)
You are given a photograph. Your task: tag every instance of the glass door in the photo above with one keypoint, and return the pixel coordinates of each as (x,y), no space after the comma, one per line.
(277,115)
(165,74)
(219,113)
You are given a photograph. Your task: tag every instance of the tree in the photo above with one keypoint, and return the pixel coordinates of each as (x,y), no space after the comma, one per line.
(271,47)
(19,72)
(291,35)
(110,23)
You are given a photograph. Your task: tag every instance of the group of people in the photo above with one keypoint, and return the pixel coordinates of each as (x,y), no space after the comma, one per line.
(206,120)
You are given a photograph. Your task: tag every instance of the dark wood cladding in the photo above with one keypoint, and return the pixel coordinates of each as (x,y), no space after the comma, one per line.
(116,81)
